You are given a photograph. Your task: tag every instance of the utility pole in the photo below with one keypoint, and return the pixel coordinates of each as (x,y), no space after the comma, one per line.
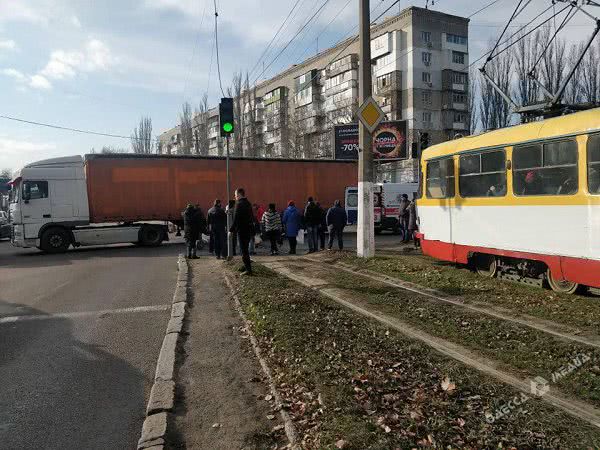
(230,211)
(365,245)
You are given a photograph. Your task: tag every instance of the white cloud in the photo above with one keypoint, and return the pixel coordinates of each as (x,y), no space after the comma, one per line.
(16,153)
(40,82)
(19,10)
(14,73)
(75,21)
(8,44)
(65,64)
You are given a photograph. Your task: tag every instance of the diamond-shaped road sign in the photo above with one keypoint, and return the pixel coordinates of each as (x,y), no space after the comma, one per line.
(370,114)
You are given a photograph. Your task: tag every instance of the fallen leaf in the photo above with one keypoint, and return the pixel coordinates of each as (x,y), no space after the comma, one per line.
(270,417)
(216,425)
(341,444)
(268,397)
(460,421)
(447,385)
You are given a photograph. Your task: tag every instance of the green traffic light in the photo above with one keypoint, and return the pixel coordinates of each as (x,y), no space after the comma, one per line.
(227,127)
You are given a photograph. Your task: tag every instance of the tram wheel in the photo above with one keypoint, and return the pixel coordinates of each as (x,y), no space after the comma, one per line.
(562,286)
(486,265)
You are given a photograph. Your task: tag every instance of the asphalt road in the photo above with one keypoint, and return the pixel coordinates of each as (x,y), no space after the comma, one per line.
(80,334)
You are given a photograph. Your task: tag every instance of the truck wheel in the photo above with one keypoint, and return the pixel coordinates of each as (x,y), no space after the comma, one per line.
(150,236)
(55,240)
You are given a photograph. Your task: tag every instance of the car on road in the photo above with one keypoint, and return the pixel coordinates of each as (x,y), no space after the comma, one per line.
(4,225)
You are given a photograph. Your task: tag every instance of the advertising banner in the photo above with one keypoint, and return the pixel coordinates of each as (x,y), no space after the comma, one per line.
(389,141)
(346,141)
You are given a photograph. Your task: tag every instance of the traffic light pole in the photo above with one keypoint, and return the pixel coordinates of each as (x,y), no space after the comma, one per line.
(230,212)
(365,246)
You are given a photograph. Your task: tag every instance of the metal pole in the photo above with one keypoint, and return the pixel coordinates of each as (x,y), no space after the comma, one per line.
(229,212)
(365,245)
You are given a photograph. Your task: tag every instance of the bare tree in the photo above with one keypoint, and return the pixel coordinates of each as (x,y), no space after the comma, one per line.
(201,127)
(252,143)
(575,89)
(553,60)
(141,138)
(185,122)
(235,91)
(494,110)
(472,103)
(590,75)
(6,174)
(159,146)
(525,54)
(109,149)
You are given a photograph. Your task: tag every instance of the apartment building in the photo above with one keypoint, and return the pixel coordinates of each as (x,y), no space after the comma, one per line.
(420,64)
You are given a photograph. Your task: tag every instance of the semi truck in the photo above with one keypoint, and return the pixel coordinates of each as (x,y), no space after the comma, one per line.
(109,199)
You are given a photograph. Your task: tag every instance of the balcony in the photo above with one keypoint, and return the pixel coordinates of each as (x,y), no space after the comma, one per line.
(347,63)
(387,85)
(348,84)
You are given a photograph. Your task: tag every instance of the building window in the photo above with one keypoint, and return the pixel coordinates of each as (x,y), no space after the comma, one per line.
(593,151)
(426,97)
(440,178)
(458,57)
(483,174)
(459,77)
(460,117)
(426,58)
(459,98)
(426,77)
(548,169)
(427,116)
(456,39)
(426,36)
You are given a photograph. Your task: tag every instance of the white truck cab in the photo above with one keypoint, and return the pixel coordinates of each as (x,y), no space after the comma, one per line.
(49,210)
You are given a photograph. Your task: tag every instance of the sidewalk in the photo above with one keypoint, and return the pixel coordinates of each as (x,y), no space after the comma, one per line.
(222,401)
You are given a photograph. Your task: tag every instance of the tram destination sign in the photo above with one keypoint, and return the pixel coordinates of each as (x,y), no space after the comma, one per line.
(390,141)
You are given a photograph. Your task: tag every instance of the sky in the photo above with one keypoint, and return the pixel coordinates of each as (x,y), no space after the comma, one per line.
(101,65)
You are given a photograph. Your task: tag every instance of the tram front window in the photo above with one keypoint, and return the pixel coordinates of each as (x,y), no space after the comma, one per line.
(593,150)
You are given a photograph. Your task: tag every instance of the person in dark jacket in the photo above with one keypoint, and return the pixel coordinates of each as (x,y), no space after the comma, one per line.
(403,216)
(217,225)
(271,224)
(193,225)
(336,221)
(292,221)
(322,225)
(244,225)
(229,211)
(312,219)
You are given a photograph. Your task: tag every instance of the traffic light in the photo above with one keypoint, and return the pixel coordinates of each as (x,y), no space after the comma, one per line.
(424,141)
(226,116)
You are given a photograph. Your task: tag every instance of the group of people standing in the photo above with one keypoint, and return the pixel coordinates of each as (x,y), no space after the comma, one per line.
(408,217)
(248,220)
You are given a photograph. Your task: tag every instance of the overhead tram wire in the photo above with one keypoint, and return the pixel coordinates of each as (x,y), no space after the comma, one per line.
(507,40)
(483,9)
(298,51)
(75,130)
(273,38)
(568,17)
(196,46)
(291,40)
(217,48)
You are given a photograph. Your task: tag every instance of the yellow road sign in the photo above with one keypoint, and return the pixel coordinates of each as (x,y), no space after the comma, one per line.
(370,114)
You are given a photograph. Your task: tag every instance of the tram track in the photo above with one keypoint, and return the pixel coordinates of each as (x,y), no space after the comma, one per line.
(574,407)
(557,330)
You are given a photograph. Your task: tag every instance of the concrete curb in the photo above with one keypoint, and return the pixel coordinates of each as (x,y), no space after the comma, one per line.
(162,395)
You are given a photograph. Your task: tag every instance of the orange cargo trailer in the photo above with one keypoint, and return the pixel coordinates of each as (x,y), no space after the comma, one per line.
(128,188)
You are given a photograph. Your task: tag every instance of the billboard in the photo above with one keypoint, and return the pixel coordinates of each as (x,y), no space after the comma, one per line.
(390,141)
(346,141)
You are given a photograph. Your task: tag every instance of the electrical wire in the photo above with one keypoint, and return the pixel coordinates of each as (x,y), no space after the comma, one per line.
(217,48)
(292,39)
(273,38)
(195,49)
(483,9)
(76,130)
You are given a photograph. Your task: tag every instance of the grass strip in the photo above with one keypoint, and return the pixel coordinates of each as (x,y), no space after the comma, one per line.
(580,311)
(351,383)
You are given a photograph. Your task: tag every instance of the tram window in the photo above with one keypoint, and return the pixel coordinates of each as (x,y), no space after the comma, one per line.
(593,150)
(483,174)
(440,178)
(548,169)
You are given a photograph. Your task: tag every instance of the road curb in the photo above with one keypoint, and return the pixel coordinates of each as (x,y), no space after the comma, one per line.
(162,395)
